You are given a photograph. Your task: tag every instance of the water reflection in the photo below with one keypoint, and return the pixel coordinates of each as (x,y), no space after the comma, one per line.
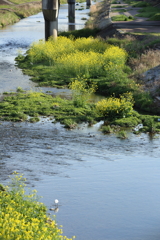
(71,25)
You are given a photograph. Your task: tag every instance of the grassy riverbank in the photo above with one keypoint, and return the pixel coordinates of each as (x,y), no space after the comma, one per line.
(12,13)
(85,65)
(22,216)
(110,63)
(110,67)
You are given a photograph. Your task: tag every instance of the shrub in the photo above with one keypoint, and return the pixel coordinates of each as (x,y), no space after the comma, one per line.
(106,129)
(69,58)
(112,107)
(81,91)
(122,134)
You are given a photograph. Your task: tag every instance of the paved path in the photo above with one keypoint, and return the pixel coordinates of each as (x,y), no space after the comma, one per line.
(138,25)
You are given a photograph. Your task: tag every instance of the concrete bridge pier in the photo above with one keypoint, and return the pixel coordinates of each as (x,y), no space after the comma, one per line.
(88,2)
(71,25)
(71,10)
(50,9)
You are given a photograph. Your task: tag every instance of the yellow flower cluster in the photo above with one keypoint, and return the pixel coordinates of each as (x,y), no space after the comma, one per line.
(116,107)
(23,218)
(81,91)
(80,56)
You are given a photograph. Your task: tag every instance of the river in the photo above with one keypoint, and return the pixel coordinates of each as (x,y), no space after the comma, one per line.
(108,188)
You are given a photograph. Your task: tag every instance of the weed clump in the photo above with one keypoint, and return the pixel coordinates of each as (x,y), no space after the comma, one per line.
(23,216)
(113,108)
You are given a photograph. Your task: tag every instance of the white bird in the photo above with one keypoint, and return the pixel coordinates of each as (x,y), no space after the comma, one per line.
(56,202)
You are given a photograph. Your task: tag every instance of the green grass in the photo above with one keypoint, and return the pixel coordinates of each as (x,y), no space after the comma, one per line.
(121,18)
(155,17)
(115,80)
(151,13)
(18,106)
(22,1)
(140,4)
(118,6)
(8,18)
(119,10)
(17,13)
(6,6)
(85,32)
(146,34)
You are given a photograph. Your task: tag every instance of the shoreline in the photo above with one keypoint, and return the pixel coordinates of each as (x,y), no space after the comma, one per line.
(16,12)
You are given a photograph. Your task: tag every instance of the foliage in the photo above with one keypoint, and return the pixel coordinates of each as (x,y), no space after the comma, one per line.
(8,18)
(21,1)
(152,13)
(18,106)
(122,134)
(106,129)
(155,17)
(127,122)
(23,217)
(112,107)
(140,4)
(143,101)
(57,63)
(54,61)
(18,12)
(122,17)
(81,91)
(119,10)
(85,32)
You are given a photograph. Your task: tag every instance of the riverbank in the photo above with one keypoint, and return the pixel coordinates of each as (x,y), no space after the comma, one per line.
(11,13)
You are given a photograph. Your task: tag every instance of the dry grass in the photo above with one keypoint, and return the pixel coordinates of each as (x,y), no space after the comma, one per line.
(146,61)
(97,14)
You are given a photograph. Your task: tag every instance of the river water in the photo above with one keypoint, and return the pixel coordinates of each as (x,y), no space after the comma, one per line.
(108,188)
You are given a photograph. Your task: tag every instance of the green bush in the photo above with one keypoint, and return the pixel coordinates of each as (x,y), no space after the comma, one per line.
(106,129)
(112,107)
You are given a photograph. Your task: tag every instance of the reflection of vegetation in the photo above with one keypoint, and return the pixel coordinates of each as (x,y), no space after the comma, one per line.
(23,216)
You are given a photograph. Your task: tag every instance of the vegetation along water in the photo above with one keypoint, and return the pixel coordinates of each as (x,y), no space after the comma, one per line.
(85,65)
(23,216)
